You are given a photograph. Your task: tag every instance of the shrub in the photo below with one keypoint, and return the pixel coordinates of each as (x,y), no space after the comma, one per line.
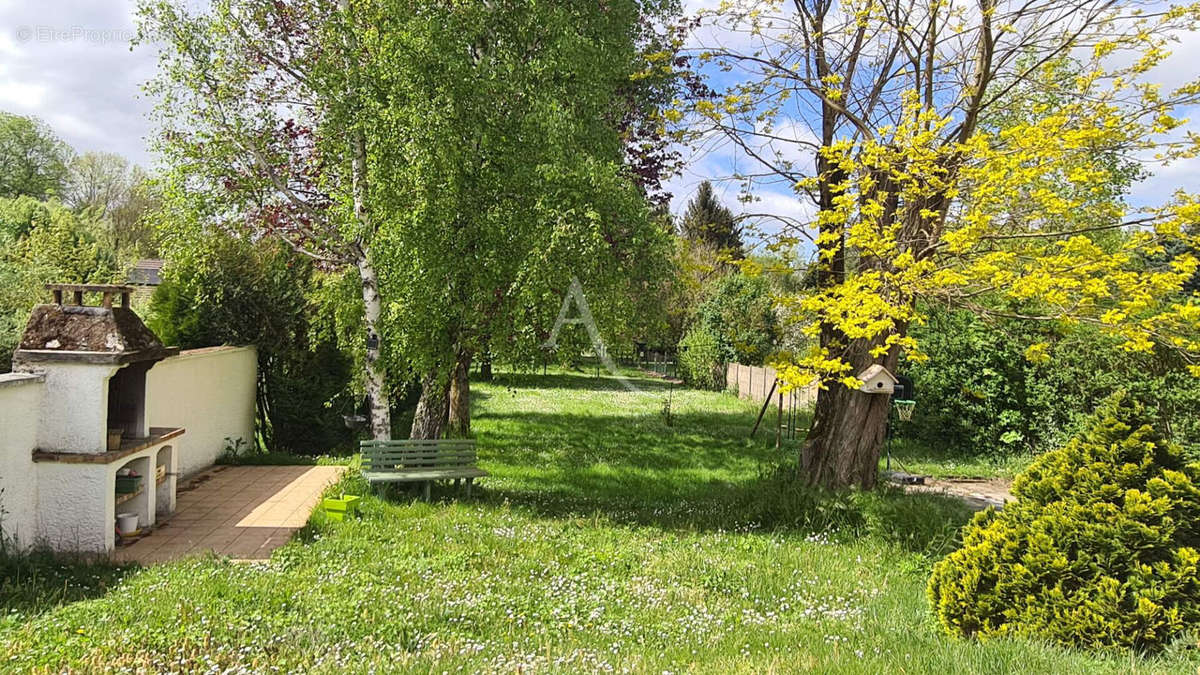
(979,395)
(1100,549)
(926,524)
(700,363)
(740,314)
(972,392)
(43,242)
(223,290)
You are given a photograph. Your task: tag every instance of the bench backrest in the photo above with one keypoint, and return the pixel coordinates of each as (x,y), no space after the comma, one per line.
(417,454)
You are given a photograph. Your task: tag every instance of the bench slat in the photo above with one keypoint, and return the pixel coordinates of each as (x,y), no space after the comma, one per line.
(418,460)
(420,455)
(441,442)
(421,446)
(423,462)
(423,475)
(407,453)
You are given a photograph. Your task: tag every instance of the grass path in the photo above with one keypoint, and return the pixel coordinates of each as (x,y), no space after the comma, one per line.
(605,541)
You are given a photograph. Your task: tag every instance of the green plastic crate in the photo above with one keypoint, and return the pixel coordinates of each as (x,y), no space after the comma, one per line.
(128,484)
(337,508)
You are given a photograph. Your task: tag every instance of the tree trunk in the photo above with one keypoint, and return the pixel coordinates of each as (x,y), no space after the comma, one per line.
(485,365)
(847,433)
(377,395)
(845,439)
(429,421)
(264,424)
(849,427)
(460,396)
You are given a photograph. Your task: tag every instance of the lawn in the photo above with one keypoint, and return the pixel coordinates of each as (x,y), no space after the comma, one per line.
(606,540)
(916,457)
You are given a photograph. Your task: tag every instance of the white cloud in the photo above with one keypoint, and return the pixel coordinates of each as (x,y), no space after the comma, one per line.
(17,96)
(70,64)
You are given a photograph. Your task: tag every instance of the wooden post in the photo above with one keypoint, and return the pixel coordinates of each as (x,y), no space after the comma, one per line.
(79,298)
(106,300)
(766,403)
(792,406)
(778,421)
(58,298)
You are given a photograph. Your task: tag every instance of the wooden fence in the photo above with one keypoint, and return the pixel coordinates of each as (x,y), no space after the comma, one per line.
(754,383)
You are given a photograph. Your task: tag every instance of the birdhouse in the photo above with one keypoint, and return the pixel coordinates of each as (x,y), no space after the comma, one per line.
(877,380)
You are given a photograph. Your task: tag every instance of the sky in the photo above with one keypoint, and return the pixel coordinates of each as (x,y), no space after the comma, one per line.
(69,62)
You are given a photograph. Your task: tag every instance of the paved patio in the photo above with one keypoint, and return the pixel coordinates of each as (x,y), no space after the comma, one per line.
(244,512)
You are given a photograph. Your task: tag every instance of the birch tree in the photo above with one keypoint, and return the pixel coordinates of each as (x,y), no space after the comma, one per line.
(270,120)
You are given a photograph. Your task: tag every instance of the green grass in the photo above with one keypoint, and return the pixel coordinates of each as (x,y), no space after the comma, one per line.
(283,459)
(915,457)
(605,540)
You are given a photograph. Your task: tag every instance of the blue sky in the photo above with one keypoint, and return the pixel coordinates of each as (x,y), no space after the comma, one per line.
(720,161)
(69,62)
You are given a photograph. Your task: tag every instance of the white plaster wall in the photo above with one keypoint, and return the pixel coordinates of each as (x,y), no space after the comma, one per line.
(164,499)
(74,406)
(209,392)
(20,398)
(75,504)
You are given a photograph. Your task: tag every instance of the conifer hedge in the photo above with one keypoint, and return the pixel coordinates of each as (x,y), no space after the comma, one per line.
(1100,549)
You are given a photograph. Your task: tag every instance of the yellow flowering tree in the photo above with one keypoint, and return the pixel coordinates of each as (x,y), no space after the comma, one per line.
(958,153)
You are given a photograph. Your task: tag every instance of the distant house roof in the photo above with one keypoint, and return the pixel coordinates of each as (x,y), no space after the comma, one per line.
(146,272)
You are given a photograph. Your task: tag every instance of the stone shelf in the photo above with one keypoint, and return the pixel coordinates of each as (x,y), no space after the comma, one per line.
(129,447)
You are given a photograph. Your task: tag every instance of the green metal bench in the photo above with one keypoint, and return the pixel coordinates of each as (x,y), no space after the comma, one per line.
(420,461)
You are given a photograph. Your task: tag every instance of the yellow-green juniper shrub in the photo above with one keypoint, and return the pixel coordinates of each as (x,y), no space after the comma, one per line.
(1100,549)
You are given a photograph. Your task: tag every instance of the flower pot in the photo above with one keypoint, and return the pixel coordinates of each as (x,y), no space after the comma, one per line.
(127,523)
(337,508)
(114,439)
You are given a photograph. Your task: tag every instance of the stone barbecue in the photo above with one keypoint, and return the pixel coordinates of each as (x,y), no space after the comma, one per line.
(96,454)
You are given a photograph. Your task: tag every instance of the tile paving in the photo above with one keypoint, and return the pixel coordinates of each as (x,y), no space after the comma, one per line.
(243,512)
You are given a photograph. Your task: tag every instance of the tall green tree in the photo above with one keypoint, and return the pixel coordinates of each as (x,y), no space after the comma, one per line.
(536,187)
(442,151)
(33,160)
(40,243)
(709,221)
(98,181)
(282,120)
(108,186)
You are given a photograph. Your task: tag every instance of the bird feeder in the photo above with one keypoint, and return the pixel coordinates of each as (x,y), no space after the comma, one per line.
(877,380)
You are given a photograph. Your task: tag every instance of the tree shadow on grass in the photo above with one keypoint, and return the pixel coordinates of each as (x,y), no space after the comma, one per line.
(702,473)
(582,381)
(37,582)
(718,442)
